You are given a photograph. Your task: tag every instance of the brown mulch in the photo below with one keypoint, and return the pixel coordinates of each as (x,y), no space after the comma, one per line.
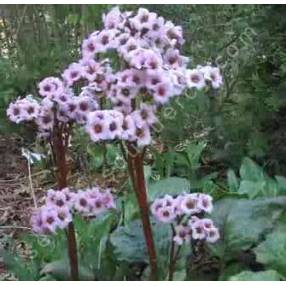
(15,200)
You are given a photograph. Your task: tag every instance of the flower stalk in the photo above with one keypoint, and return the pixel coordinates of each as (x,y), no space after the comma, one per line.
(59,145)
(136,171)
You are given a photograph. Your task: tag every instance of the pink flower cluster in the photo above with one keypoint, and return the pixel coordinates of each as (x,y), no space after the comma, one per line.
(60,106)
(152,71)
(60,204)
(112,124)
(26,109)
(186,212)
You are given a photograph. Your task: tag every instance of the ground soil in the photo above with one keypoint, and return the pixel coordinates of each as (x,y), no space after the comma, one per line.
(15,201)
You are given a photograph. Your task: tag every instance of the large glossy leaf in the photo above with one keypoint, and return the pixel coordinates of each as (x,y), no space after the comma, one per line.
(249,170)
(129,244)
(172,185)
(272,251)
(268,275)
(242,222)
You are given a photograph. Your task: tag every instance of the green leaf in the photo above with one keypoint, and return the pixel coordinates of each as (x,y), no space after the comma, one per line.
(249,170)
(171,185)
(131,209)
(232,181)
(111,153)
(147,173)
(23,270)
(194,152)
(96,153)
(133,237)
(242,222)
(129,243)
(268,275)
(95,254)
(281,182)
(232,269)
(60,270)
(252,189)
(272,251)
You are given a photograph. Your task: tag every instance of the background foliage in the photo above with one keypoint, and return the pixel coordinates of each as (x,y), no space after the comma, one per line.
(248,42)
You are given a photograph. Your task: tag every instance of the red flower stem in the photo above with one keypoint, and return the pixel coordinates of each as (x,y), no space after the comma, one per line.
(172,254)
(60,151)
(136,170)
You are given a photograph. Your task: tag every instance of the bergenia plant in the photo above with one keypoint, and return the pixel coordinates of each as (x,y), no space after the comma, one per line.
(127,72)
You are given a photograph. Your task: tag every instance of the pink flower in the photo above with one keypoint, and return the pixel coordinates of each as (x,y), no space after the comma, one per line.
(50,220)
(213,75)
(143,135)
(106,39)
(120,41)
(56,198)
(70,108)
(70,197)
(130,46)
(195,78)
(183,234)
(104,125)
(90,46)
(91,69)
(124,107)
(82,202)
(97,206)
(108,199)
(45,120)
(96,128)
(189,204)
(143,20)
(128,128)
(205,203)
(145,115)
(72,74)
(173,59)
(85,104)
(14,112)
(177,203)
(131,78)
(125,93)
(166,214)
(198,231)
(174,34)
(145,58)
(164,209)
(63,97)
(154,77)
(114,123)
(156,29)
(212,235)
(64,216)
(51,87)
(113,19)
(178,80)
(162,92)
